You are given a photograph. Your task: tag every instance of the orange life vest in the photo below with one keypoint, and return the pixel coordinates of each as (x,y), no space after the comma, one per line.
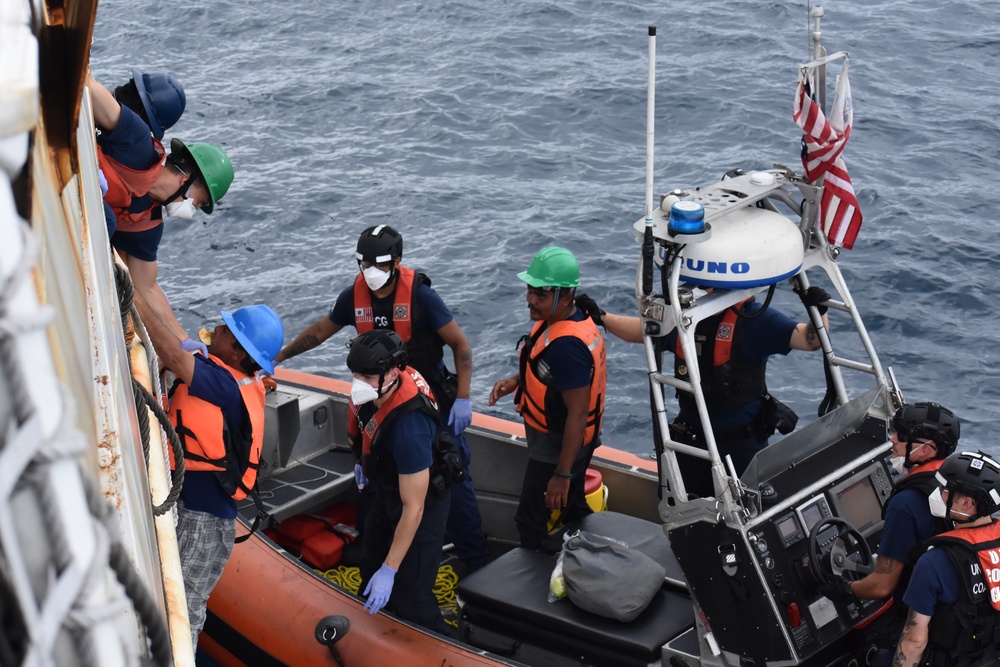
(124,183)
(925,467)
(981,574)
(412,386)
(208,445)
(534,395)
(966,632)
(402,308)
(732,381)
(723,348)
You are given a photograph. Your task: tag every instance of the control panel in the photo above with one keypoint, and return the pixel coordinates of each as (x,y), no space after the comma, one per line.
(781,546)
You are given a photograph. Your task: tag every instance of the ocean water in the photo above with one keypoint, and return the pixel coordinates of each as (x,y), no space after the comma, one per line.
(485,131)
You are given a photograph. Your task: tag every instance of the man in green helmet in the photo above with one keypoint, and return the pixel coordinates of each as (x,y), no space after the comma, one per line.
(561,384)
(141,181)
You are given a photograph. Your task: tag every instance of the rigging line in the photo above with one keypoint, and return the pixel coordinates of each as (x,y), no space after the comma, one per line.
(177,474)
(143,398)
(9,328)
(143,417)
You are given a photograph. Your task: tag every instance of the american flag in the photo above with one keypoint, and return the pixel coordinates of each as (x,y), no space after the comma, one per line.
(823,143)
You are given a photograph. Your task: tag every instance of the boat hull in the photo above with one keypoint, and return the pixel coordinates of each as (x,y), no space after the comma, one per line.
(265,609)
(266,606)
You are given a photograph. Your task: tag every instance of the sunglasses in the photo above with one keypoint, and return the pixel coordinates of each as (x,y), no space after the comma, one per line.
(540,292)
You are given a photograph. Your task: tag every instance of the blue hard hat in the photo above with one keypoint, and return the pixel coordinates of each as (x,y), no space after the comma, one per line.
(162,97)
(259,331)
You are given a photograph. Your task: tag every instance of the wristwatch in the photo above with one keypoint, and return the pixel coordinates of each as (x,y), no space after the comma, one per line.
(564,475)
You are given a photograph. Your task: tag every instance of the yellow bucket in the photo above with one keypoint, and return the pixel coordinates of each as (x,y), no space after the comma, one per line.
(597,496)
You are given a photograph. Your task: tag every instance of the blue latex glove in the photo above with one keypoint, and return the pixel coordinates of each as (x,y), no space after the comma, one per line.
(193,346)
(104,182)
(359,476)
(380,588)
(461,415)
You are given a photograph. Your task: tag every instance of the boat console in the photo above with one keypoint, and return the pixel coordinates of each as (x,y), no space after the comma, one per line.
(761,584)
(762,557)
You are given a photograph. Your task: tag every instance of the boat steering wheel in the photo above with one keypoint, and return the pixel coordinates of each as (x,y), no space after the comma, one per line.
(846,554)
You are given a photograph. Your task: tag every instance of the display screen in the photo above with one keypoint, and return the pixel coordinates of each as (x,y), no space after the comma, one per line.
(787,527)
(859,505)
(811,515)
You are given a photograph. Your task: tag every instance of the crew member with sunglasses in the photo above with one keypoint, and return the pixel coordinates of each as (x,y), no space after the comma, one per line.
(733,348)
(561,384)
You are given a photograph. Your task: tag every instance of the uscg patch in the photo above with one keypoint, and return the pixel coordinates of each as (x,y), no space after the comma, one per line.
(725,332)
(363,315)
(682,370)
(400,313)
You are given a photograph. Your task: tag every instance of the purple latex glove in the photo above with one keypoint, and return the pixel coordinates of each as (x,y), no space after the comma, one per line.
(104,182)
(359,476)
(380,588)
(193,346)
(461,415)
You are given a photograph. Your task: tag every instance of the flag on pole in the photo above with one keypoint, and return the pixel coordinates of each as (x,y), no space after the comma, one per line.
(823,142)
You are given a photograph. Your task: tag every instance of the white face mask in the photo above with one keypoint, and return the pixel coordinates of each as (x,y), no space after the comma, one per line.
(940,509)
(362,392)
(898,464)
(375,277)
(184,210)
(936,504)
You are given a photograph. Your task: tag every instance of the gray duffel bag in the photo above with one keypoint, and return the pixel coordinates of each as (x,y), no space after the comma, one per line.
(605,577)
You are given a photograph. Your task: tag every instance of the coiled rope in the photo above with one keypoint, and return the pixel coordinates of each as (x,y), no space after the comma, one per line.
(349,578)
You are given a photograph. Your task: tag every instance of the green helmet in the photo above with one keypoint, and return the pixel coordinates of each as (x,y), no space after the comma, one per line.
(214,165)
(552,267)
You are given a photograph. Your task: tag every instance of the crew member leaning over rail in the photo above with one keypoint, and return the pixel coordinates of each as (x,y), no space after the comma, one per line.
(156,97)
(140,177)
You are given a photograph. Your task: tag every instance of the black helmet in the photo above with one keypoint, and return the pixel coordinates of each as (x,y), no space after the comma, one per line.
(379,244)
(376,352)
(931,421)
(973,474)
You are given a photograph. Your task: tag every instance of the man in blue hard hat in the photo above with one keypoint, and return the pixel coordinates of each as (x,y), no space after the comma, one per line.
(743,414)
(159,100)
(217,409)
(385,294)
